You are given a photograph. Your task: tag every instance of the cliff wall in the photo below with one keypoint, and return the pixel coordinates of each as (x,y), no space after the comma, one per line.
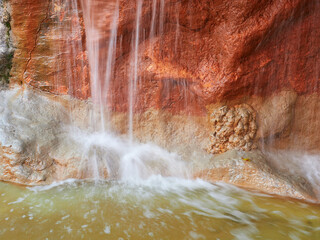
(213,76)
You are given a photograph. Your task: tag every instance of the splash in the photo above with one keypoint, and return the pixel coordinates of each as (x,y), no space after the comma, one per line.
(103,153)
(151,210)
(101,63)
(298,164)
(125,160)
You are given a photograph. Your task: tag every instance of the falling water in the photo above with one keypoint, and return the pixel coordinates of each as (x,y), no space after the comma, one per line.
(103,47)
(133,79)
(69,45)
(153,19)
(104,154)
(93,50)
(100,74)
(111,55)
(155,207)
(161,20)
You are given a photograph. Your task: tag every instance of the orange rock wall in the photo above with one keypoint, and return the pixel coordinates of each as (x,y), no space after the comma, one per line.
(201,52)
(49,47)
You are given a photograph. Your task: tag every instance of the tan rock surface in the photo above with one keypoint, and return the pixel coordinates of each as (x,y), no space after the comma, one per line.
(276,114)
(36,146)
(251,170)
(46,149)
(232,128)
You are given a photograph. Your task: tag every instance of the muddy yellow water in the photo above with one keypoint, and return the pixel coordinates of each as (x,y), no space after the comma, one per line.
(155,209)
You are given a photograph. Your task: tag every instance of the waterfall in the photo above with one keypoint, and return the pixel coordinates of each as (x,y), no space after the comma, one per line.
(93,48)
(111,55)
(104,153)
(188,76)
(133,79)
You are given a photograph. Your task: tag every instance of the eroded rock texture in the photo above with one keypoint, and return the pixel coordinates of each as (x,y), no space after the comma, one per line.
(232,128)
(48,38)
(191,53)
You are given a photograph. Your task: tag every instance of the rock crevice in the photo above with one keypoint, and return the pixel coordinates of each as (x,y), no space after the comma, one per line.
(35,43)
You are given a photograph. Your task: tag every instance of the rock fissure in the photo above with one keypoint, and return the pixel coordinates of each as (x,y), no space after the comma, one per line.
(35,42)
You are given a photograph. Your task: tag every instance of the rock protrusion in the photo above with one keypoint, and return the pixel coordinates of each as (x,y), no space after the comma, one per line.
(251,170)
(232,128)
(276,114)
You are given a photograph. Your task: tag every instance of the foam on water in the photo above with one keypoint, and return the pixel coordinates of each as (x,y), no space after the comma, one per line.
(158,207)
(127,160)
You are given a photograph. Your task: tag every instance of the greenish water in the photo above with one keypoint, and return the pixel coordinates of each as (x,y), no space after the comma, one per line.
(158,208)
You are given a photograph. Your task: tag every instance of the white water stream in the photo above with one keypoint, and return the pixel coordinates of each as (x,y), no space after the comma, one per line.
(122,157)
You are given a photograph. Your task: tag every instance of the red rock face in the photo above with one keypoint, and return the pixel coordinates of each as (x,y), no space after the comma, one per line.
(49,42)
(196,53)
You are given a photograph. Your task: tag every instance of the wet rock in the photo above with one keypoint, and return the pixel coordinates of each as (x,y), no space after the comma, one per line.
(302,122)
(201,52)
(252,171)
(197,52)
(38,146)
(232,128)
(49,47)
(279,106)
(35,144)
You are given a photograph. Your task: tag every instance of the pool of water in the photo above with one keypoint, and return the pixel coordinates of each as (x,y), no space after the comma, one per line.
(157,208)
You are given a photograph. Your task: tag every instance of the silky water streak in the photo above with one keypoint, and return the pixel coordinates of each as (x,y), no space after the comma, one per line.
(105,153)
